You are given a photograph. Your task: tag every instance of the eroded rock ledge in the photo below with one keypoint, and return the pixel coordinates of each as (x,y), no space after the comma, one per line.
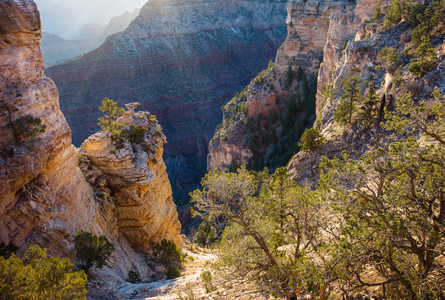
(133,176)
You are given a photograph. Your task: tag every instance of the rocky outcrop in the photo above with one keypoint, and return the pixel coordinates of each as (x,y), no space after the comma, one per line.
(182,60)
(45,198)
(134,178)
(307,24)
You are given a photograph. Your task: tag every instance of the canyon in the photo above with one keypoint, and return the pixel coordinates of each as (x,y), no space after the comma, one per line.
(182,60)
(50,189)
(56,50)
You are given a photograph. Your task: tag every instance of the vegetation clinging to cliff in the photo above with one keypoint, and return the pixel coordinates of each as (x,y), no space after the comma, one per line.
(386,215)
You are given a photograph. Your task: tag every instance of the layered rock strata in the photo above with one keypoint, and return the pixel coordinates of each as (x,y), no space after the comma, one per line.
(134,177)
(45,198)
(182,60)
(307,25)
(352,48)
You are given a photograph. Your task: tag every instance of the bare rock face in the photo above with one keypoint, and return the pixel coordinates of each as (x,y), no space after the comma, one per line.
(308,23)
(182,60)
(134,177)
(45,197)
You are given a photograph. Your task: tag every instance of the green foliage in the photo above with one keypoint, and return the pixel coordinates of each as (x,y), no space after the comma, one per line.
(167,253)
(259,79)
(377,11)
(425,61)
(92,250)
(390,206)
(390,58)
(172,272)
(206,234)
(109,121)
(27,127)
(134,134)
(263,215)
(206,278)
(7,250)
(288,77)
(134,277)
(347,105)
(369,110)
(38,277)
(270,66)
(393,14)
(311,139)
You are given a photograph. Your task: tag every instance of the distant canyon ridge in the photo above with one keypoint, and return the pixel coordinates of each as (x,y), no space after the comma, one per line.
(182,60)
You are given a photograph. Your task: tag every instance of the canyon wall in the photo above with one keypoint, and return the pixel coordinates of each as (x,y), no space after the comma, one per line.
(182,60)
(354,41)
(307,25)
(45,197)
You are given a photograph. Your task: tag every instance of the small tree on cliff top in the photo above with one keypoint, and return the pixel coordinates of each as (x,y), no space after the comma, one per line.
(112,113)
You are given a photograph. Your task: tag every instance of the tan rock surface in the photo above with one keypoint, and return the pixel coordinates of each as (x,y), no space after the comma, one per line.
(45,198)
(136,173)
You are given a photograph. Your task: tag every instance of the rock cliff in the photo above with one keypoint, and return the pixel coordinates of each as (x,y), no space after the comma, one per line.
(354,42)
(45,197)
(275,99)
(181,60)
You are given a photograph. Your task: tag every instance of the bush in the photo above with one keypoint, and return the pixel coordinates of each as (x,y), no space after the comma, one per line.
(206,278)
(289,77)
(27,127)
(390,58)
(166,252)
(134,134)
(311,139)
(393,14)
(92,250)
(134,277)
(38,277)
(172,272)
(425,61)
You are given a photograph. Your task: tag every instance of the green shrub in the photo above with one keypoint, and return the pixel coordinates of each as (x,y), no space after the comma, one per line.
(134,134)
(390,58)
(166,252)
(206,278)
(38,277)
(311,139)
(172,272)
(134,277)
(288,77)
(92,250)
(393,14)
(425,61)
(27,127)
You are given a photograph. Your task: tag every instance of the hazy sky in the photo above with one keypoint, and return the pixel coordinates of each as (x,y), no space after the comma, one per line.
(65,17)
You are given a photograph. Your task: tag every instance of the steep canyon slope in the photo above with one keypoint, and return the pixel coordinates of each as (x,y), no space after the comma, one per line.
(181,60)
(274,109)
(45,197)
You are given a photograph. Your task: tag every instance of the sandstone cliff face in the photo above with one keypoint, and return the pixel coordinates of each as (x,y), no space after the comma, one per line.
(308,24)
(352,48)
(45,198)
(134,178)
(181,60)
